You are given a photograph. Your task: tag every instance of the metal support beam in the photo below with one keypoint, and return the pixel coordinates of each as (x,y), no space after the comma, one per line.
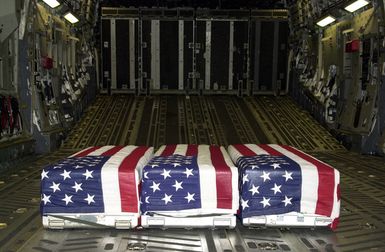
(113,54)
(132,53)
(256,54)
(207,56)
(275,57)
(231,55)
(155,54)
(140,56)
(194,58)
(181,54)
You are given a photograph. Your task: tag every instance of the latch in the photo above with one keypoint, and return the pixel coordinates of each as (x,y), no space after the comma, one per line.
(155,222)
(221,222)
(322,221)
(300,218)
(122,224)
(55,223)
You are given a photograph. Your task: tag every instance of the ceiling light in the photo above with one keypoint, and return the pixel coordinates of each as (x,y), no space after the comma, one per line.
(52,3)
(325,21)
(356,5)
(71,18)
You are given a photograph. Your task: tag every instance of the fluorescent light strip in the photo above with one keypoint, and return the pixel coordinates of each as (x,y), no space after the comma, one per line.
(71,18)
(52,3)
(356,5)
(325,21)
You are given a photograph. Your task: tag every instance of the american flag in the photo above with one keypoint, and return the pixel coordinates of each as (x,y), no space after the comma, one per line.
(278,179)
(95,180)
(186,177)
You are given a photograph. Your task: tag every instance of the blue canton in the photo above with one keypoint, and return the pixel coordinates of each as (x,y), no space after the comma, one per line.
(269,185)
(171,183)
(73,185)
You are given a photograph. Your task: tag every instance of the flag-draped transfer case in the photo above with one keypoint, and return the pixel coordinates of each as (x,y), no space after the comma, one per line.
(190,186)
(282,186)
(96,187)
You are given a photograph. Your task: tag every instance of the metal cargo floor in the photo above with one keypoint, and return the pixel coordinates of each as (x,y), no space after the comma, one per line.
(213,120)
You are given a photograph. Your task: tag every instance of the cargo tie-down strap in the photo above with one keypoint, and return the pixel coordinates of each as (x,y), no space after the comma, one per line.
(89,223)
(185,216)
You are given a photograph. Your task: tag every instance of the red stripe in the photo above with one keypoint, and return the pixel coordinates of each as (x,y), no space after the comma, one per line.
(223,178)
(270,150)
(325,182)
(192,150)
(127,185)
(169,150)
(244,150)
(334,224)
(112,151)
(88,151)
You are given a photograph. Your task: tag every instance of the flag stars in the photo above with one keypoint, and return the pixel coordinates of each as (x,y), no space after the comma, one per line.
(265,202)
(190,197)
(155,186)
(44,174)
(178,185)
(55,187)
(188,172)
(145,175)
(265,176)
(154,165)
(244,203)
(287,176)
(287,201)
(167,198)
(254,190)
(147,199)
(66,174)
(175,164)
(166,173)
(245,178)
(46,199)
(275,166)
(77,187)
(67,199)
(276,188)
(89,199)
(88,174)
(254,167)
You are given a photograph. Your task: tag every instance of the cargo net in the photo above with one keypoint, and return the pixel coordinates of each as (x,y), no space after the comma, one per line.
(11,124)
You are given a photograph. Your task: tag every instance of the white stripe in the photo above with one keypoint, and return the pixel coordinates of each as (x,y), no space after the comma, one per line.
(139,170)
(143,161)
(336,203)
(77,153)
(226,157)
(309,173)
(207,179)
(110,181)
(160,150)
(234,179)
(234,153)
(181,149)
(256,149)
(101,150)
